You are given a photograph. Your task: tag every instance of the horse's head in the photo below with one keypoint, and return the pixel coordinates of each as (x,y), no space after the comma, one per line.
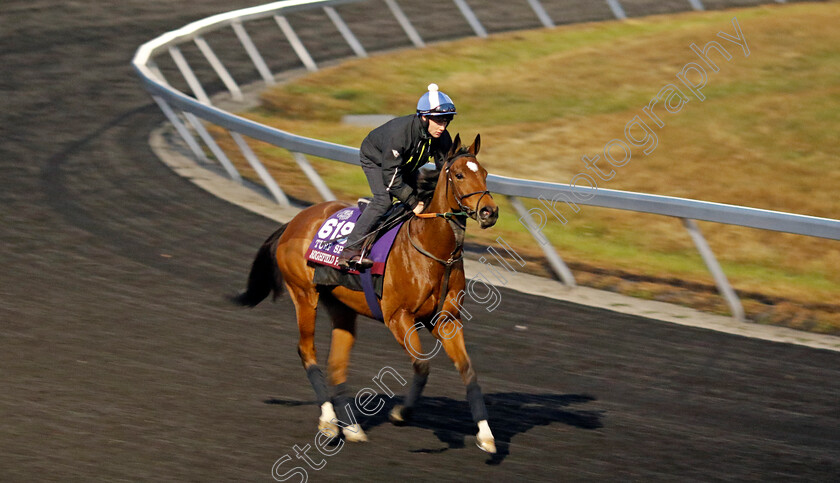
(466,183)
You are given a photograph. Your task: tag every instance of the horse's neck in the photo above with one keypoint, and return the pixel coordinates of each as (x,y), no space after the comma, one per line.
(436,234)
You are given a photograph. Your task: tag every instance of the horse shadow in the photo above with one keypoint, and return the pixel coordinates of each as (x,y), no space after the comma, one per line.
(511,413)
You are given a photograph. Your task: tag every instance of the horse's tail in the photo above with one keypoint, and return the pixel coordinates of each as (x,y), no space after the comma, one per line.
(265,276)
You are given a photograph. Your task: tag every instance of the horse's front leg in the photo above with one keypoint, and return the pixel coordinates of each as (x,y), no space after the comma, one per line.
(449,332)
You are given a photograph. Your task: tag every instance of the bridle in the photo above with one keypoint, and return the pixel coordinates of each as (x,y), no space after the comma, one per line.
(465,210)
(458,196)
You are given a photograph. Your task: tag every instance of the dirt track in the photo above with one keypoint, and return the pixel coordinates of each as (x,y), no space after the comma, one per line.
(120,359)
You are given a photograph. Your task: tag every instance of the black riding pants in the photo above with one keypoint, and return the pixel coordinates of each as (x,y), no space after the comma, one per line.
(374,211)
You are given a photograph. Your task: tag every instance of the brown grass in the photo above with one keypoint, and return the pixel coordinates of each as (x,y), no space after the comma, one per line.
(764,137)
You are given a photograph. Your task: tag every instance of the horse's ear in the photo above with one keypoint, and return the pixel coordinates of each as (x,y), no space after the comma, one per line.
(456,145)
(475,145)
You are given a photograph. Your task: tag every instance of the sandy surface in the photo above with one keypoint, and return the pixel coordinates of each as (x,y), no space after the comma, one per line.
(121,360)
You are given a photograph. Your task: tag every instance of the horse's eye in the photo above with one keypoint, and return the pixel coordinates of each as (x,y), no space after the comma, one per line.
(459,175)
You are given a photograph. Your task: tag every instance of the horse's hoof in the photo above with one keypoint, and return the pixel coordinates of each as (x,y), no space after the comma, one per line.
(327,428)
(398,415)
(354,434)
(487,445)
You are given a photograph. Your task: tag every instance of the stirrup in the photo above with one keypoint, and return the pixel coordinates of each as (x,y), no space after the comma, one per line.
(355,261)
(359,263)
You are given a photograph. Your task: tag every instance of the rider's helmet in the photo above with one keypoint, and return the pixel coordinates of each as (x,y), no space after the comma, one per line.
(435,103)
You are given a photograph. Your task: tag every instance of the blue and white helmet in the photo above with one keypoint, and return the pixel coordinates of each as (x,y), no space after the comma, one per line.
(435,103)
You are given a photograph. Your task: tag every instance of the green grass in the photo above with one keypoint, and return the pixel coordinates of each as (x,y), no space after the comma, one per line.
(764,137)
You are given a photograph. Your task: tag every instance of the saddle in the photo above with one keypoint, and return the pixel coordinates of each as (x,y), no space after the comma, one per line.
(381,227)
(330,240)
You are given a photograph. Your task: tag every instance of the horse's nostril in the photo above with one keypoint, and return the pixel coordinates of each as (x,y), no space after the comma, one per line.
(485,212)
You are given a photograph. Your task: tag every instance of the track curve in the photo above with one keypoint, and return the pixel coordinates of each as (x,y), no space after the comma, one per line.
(122,361)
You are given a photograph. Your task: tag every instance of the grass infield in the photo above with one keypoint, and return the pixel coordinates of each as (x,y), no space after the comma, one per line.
(764,136)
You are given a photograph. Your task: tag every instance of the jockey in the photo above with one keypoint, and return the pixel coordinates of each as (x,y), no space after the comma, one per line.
(391,155)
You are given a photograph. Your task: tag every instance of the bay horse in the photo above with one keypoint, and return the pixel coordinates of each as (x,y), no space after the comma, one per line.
(424,279)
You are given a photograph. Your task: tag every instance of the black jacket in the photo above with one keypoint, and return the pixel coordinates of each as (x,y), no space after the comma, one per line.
(399,148)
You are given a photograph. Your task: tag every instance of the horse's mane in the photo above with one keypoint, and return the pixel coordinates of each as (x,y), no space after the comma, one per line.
(427,178)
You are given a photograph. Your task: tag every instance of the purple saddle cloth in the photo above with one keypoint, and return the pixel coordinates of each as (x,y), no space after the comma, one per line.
(331,238)
(327,246)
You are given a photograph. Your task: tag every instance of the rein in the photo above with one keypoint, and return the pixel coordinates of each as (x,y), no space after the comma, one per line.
(447,215)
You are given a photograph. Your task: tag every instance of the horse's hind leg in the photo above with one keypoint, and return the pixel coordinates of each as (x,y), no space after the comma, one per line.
(450,334)
(343,339)
(306,304)
(406,335)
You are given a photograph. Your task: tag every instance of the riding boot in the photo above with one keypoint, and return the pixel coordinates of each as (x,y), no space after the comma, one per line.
(352,258)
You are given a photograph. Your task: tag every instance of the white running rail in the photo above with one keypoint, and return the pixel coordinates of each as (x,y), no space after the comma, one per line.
(198,109)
